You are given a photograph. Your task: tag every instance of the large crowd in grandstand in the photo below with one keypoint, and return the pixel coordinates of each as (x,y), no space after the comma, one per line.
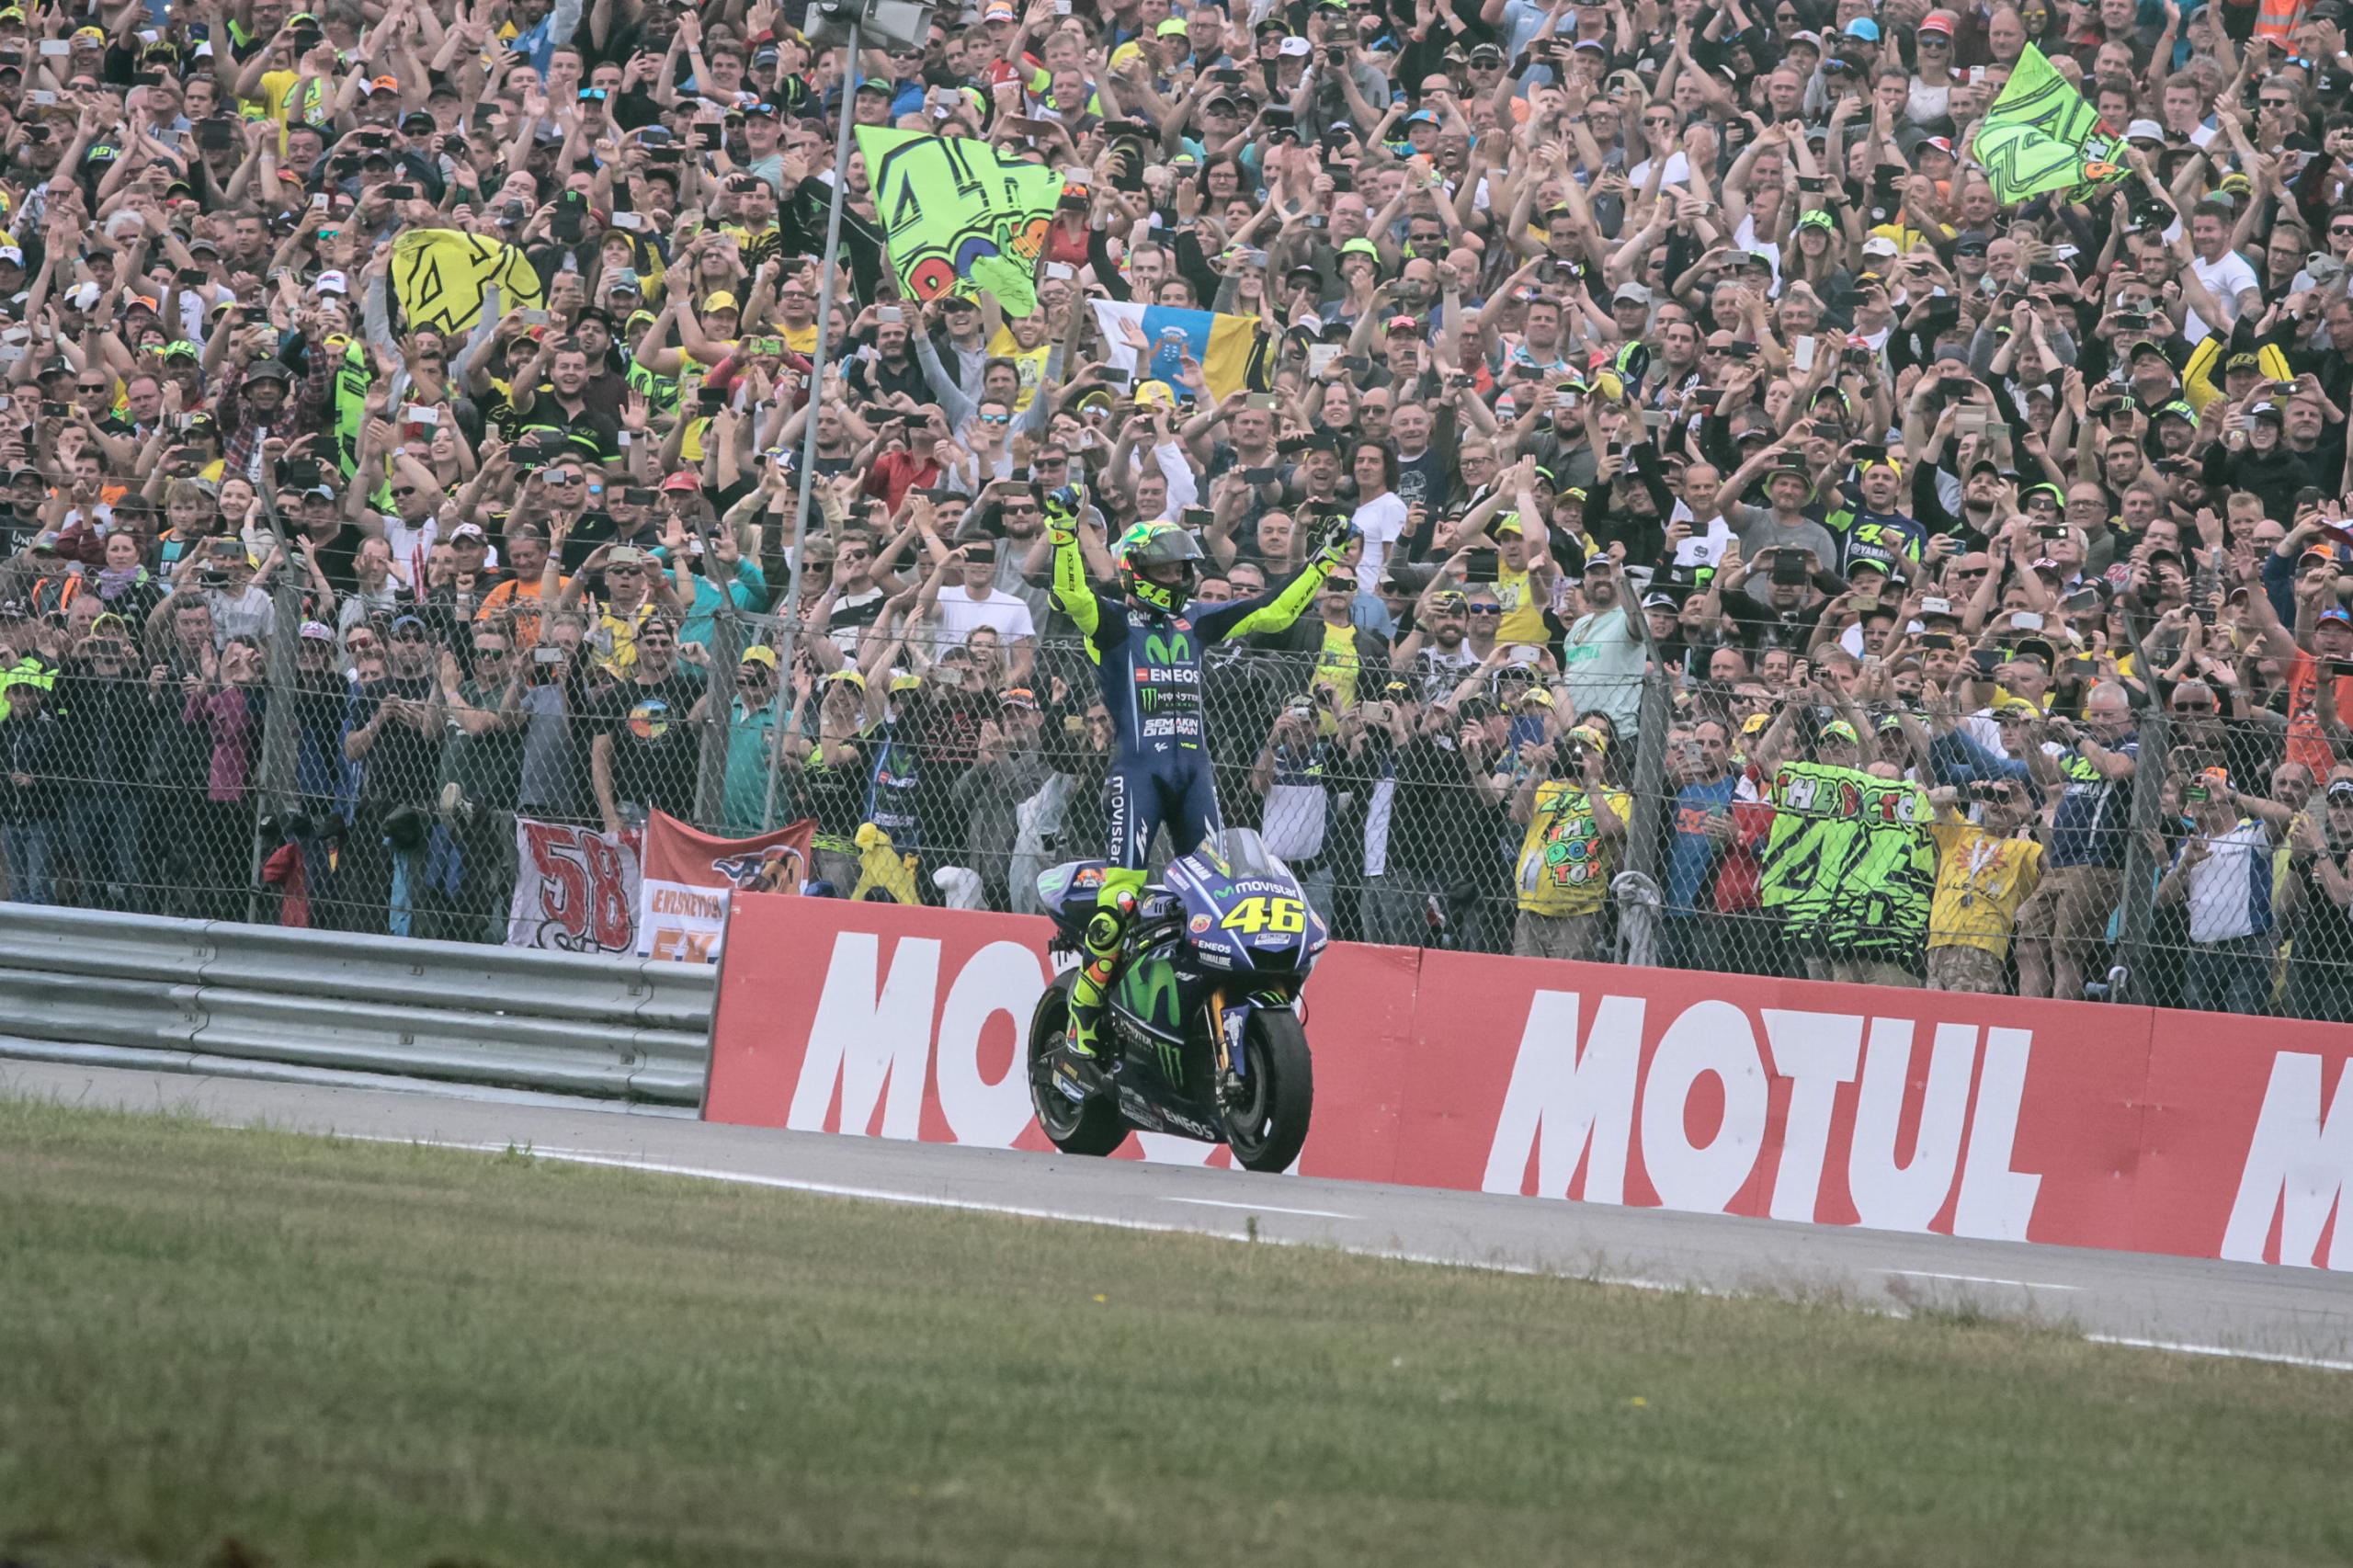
(1851,491)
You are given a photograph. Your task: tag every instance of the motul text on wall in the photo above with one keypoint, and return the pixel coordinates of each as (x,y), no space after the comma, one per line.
(1983,1117)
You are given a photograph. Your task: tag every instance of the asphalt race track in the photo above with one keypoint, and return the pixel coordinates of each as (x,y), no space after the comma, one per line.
(2175,1304)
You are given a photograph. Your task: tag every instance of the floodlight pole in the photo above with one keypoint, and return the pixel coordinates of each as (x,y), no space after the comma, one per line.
(788,657)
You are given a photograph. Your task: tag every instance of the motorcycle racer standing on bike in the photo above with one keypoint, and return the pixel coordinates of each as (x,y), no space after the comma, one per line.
(1147,653)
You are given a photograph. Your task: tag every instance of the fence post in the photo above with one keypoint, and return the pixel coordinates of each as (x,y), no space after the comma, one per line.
(1636,887)
(272,787)
(2137,906)
(710,778)
(2137,899)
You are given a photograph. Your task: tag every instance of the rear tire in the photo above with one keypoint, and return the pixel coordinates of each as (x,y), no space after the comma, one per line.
(1268,1132)
(1094,1128)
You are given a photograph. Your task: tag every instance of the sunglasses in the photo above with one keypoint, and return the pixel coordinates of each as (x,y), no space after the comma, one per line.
(2193,707)
(1486,611)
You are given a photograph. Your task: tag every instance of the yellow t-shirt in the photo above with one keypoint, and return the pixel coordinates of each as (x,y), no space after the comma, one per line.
(1565,863)
(799,339)
(276,86)
(613,644)
(1523,622)
(1338,661)
(1028,363)
(1981,882)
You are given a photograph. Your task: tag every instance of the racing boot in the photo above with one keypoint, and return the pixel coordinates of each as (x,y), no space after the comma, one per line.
(1079,1069)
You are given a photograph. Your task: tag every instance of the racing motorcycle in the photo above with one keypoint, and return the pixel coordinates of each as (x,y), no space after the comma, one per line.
(1202,1032)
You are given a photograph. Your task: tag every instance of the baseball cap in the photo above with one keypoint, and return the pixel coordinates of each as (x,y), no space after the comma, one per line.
(1295,47)
(1863,28)
(1634,294)
(2144,130)
(1172,28)
(759,654)
(1661,601)
(719,299)
(2337,613)
(331,283)
(685,479)
(1935,24)
(1840,730)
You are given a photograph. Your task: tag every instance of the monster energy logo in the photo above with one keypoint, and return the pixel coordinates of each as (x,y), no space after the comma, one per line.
(1176,649)
(1171,1061)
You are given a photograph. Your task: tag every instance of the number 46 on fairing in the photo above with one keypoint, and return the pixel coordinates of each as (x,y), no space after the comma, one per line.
(1252,916)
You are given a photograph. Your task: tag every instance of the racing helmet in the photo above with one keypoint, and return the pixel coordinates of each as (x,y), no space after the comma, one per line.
(1156,566)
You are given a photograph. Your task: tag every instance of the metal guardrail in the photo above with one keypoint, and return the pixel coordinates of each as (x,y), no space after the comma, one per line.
(212,997)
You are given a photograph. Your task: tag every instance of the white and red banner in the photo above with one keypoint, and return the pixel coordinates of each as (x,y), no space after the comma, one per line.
(2063,1123)
(575,890)
(689,877)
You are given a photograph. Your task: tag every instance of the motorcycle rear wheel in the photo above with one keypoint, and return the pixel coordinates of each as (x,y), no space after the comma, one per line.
(1267,1130)
(1094,1128)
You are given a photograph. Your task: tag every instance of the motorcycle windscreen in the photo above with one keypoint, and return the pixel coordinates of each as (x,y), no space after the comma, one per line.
(1246,912)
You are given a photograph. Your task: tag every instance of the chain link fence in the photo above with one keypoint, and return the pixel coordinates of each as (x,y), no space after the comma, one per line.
(2191,855)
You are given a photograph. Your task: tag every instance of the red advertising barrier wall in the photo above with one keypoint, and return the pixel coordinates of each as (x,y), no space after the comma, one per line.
(2064,1124)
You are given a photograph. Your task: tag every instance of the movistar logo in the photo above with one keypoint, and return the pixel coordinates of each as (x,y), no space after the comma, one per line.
(1176,649)
(1149,991)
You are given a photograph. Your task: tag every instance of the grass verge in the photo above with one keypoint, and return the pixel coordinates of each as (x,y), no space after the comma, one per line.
(366,1354)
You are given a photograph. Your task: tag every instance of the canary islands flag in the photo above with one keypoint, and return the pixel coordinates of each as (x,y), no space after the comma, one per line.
(1152,342)
(439,274)
(2041,136)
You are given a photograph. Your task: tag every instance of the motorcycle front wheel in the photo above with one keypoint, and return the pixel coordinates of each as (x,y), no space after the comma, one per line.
(1094,1128)
(1268,1127)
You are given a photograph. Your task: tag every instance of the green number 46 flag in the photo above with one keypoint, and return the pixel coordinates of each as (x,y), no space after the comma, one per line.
(2041,136)
(957,217)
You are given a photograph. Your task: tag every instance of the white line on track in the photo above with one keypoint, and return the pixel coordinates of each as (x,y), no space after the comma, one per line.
(1259,1207)
(1982,1279)
(935,1201)
(2178,1348)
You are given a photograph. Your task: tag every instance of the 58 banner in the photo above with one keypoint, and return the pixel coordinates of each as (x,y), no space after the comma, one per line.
(575,890)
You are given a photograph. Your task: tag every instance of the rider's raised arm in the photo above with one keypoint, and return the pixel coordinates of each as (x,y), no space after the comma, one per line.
(1277,608)
(1073,592)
